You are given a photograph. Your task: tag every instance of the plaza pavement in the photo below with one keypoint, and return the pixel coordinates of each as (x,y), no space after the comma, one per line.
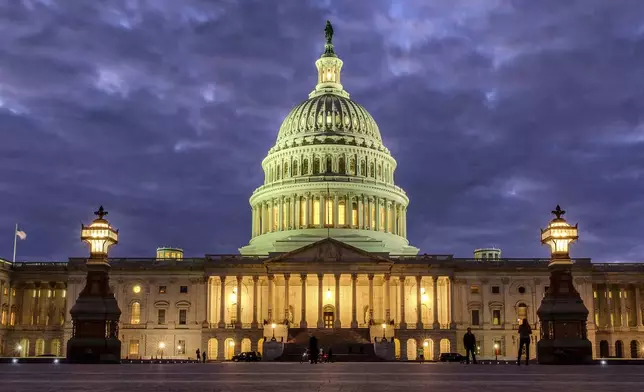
(280,377)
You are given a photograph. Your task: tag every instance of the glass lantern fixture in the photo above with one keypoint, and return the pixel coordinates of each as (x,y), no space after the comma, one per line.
(559,235)
(99,235)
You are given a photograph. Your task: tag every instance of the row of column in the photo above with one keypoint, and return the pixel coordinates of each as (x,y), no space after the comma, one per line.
(621,300)
(337,323)
(311,210)
(33,303)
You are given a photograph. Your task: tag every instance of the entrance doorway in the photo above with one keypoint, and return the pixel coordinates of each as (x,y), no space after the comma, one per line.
(329,316)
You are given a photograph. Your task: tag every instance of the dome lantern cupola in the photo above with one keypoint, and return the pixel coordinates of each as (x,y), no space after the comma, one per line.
(329,67)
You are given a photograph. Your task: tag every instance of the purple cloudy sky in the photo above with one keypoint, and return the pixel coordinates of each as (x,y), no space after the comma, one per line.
(163,110)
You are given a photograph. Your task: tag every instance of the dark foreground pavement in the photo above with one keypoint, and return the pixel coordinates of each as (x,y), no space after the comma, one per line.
(241,377)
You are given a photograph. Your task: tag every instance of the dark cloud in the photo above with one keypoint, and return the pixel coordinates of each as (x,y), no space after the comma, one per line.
(162,111)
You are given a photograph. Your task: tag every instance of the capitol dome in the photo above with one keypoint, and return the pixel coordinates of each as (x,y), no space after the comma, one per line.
(329,175)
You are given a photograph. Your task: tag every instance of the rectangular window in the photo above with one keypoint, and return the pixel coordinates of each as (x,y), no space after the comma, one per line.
(3,320)
(328,213)
(595,294)
(183,289)
(275,219)
(285,210)
(13,292)
(354,215)
(161,316)
(5,291)
(342,213)
(162,289)
(496,289)
(372,224)
(316,212)
(474,289)
(475,317)
(181,347)
(64,293)
(496,317)
(183,315)
(134,348)
(383,210)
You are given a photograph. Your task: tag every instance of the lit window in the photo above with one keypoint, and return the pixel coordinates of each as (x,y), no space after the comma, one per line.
(13,292)
(181,347)
(496,317)
(135,313)
(5,291)
(328,220)
(383,210)
(48,293)
(64,293)
(303,212)
(474,289)
(275,220)
(12,318)
(162,289)
(3,319)
(595,294)
(316,212)
(354,215)
(136,289)
(134,348)
(342,213)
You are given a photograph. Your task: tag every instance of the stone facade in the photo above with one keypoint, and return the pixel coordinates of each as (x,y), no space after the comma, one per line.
(227,303)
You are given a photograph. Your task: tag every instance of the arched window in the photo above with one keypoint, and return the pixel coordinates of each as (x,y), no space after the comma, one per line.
(316,165)
(363,168)
(285,170)
(352,166)
(277,173)
(55,347)
(619,349)
(135,313)
(341,166)
(316,212)
(270,174)
(329,164)
(5,315)
(303,212)
(372,172)
(522,312)
(603,349)
(328,213)
(40,347)
(305,167)
(294,169)
(380,172)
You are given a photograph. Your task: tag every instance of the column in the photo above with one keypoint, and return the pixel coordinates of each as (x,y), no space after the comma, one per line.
(622,305)
(287,277)
(338,324)
(403,213)
(370,277)
(255,323)
(377,201)
(322,209)
(452,303)
(368,225)
(222,303)
(238,324)
(320,299)
(295,224)
(206,301)
(387,299)
(271,216)
(303,323)
(361,212)
(280,213)
(435,323)
(262,220)
(395,219)
(609,306)
(271,281)
(252,224)
(637,305)
(403,324)
(348,210)
(336,210)
(386,205)
(354,300)
(309,210)
(419,304)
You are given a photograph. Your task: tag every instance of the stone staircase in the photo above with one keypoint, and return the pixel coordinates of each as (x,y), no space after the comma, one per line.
(348,345)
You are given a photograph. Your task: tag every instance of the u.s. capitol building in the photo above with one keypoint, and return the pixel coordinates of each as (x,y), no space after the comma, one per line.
(329,256)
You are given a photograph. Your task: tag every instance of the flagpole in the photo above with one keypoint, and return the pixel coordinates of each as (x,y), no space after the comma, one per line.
(15,242)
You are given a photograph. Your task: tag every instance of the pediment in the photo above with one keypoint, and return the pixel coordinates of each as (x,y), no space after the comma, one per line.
(329,250)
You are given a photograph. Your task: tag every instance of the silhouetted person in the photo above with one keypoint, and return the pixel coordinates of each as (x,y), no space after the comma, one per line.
(198,352)
(313,349)
(203,357)
(469,342)
(525,333)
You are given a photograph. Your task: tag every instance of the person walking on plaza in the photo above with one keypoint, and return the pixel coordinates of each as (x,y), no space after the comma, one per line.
(203,357)
(525,333)
(313,349)
(198,352)
(469,342)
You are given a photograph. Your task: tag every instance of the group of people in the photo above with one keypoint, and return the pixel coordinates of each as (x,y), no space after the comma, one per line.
(525,332)
(201,356)
(316,355)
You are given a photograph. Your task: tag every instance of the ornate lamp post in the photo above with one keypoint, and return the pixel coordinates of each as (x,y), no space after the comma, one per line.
(95,315)
(562,313)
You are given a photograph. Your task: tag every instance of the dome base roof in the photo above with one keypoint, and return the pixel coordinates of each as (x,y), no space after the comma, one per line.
(367,240)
